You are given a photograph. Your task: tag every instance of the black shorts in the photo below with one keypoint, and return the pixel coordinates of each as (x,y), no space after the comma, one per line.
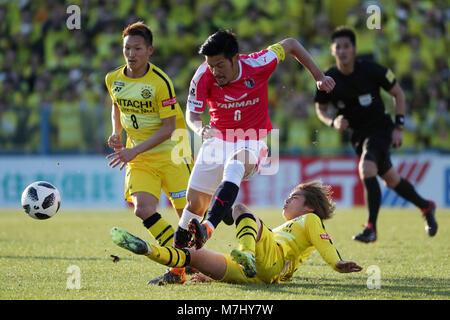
(375,146)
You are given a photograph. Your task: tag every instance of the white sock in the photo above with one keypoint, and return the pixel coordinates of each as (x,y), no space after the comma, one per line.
(234,172)
(186,217)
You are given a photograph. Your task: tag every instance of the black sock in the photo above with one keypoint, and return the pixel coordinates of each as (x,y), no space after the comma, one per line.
(372,196)
(407,191)
(221,202)
(228,217)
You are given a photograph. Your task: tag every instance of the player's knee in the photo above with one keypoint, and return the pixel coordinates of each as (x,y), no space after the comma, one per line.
(239,209)
(391,180)
(367,169)
(197,202)
(144,212)
(247,159)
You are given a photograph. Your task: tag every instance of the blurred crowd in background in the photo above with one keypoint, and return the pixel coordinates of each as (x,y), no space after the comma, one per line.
(53,98)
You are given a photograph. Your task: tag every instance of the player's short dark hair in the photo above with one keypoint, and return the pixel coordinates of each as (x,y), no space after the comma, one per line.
(344,32)
(318,197)
(139,29)
(222,42)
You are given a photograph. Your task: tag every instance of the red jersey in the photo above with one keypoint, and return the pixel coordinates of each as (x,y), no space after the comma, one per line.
(239,110)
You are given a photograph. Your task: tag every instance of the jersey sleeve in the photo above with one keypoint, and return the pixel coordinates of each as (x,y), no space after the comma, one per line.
(321,240)
(198,90)
(385,77)
(108,82)
(321,96)
(166,98)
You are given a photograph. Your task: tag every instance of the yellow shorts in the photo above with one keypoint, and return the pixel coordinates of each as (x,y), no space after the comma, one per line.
(269,262)
(153,172)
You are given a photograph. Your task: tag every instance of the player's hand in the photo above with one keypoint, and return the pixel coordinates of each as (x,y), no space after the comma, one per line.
(200,278)
(121,157)
(326,84)
(207,132)
(340,123)
(397,138)
(114,142)
(348,266)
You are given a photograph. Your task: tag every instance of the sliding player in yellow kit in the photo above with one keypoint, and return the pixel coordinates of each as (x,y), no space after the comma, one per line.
(145,105)
(264,255)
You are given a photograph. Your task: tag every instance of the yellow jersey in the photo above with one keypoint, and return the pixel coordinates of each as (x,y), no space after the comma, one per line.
(143,102)
(299,237)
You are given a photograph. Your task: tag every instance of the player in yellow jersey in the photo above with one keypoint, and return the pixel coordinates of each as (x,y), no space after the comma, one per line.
(264,255)
(156,156)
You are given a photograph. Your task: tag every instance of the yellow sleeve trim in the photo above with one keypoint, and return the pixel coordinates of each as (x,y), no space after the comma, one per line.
(279,50)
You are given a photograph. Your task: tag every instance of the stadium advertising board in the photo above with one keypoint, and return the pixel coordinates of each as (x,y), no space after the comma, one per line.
(84,182)
(88,182)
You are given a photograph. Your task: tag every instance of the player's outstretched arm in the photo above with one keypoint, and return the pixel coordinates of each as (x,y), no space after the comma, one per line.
(347,266)
(295,48)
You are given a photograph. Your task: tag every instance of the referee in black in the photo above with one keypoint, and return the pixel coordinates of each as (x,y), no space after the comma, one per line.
(360,109)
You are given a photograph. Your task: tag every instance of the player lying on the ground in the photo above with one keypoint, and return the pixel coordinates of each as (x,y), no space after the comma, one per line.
(264,255)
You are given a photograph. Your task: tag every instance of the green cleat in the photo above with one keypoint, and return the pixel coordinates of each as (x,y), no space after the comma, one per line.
(168,278)
(246,260)
(126,240)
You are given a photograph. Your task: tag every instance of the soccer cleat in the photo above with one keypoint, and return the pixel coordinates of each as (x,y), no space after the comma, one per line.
(182,238)
(200,233)
(126,240)
(430,219)
(246,260)
(367,235)
(168,278)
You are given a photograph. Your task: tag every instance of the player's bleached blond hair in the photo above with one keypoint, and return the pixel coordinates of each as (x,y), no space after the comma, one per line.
(318,197)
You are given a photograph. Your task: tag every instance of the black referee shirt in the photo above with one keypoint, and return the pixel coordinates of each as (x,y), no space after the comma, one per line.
(357,95)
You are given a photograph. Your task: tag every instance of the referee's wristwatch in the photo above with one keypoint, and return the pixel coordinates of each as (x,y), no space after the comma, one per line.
(399,121)
(332,122)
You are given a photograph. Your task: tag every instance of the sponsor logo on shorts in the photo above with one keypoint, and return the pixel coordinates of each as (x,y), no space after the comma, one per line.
(178,194)
(325,237)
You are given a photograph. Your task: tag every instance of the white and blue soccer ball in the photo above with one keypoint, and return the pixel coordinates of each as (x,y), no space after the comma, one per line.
(41,200)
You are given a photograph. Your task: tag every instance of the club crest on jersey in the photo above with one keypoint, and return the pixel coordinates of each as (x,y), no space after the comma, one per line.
(249,83)
(146,92)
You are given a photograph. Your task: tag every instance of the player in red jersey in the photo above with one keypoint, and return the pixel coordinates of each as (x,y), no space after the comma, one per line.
(235,88)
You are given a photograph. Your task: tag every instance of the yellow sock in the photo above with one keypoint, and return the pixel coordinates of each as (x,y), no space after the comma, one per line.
(159,228)
(171,257)
(246,232)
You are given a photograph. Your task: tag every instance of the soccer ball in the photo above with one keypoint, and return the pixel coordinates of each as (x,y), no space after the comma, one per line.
(41,200)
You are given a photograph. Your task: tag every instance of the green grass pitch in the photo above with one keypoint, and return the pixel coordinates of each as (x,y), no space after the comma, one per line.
(41,259)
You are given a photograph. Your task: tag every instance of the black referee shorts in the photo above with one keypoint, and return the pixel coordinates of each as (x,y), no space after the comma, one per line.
(375,147)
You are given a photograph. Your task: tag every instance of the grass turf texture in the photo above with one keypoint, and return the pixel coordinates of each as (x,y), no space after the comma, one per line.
(35,256)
